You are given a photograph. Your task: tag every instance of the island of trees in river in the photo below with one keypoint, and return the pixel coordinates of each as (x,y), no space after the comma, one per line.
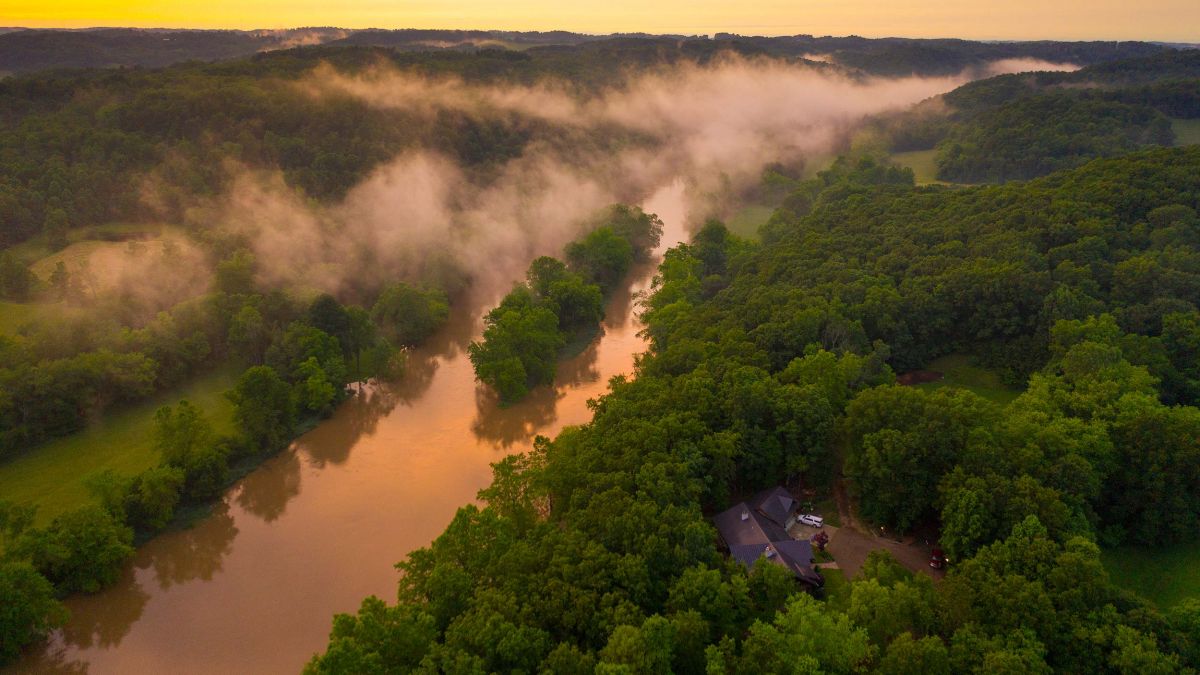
(773,360)
(560,302)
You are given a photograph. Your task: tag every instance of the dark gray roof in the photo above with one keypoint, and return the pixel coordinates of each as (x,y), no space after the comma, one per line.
(753,530)
(797,556)
(748,554)
(793,555)
(749,539)
(775,503)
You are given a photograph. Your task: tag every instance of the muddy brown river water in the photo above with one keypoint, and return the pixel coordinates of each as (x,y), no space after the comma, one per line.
(253,587)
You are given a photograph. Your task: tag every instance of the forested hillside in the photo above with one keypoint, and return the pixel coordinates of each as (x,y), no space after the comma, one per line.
(79,148)
(303,216)
(24,51)
(82,147)
(1028,125)
(594,553)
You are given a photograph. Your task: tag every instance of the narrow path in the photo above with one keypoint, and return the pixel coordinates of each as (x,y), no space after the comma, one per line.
(845,510)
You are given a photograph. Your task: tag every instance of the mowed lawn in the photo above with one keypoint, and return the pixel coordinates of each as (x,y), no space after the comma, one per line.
(13,315)
(52,474)
(1164,575)
(922,164)
(958,371)
(1187,132)
(745,223)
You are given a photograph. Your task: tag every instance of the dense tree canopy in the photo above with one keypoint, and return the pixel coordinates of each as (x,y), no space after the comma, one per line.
(592,553)
(1031,124)
(559,301)
(770,362)
(30,610)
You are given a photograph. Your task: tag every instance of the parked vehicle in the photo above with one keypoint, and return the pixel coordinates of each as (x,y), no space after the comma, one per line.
(811,520)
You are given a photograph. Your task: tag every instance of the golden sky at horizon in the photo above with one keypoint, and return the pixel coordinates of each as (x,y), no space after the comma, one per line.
(1166,20)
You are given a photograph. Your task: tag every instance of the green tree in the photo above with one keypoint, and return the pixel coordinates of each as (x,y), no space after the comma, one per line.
(578,305)
(314,392)
(181,432)
(235,274)
(14,520)
(639,650)
(328,315)
(602,257)
(263,408)
(55,228)
(902,441)
(642,230)
(519,349)
(377,639)
(803,639)
(60,280)
(301,342)
(1134,652)
(29,611)
(248,335)
(16,280)
(80,551)
(906,655)
(362,336)
(407,316)
(543,273)
(153,496)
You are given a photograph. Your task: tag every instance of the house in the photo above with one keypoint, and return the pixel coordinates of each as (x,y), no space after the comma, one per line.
(757,528)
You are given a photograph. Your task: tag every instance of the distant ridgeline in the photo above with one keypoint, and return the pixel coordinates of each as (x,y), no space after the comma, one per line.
(593,552)
(78,146)
(558,301)
(28,50)
(1028,125)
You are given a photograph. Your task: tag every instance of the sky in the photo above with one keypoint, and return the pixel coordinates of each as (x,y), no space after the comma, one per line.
(1165,20)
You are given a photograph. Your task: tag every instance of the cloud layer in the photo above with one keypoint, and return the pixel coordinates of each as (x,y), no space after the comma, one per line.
(714,127)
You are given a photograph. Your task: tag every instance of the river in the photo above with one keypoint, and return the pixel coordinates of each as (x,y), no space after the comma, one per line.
(253,587)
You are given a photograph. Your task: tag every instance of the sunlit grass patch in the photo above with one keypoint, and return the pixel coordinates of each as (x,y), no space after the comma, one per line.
(1187,132)
(1164,575)
(51,475)
(922,163)
(13,315)
(958,371)
(745,223)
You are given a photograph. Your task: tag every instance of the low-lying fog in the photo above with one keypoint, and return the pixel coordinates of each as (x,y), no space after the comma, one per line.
(714,126)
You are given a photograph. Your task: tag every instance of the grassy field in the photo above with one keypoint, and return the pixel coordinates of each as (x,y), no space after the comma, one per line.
(1187,132)
(51,475)
(745,223)
(85,242)
(36,248)
(1163,575)
(922,164)
(72,256)
(958,371)
(13,315)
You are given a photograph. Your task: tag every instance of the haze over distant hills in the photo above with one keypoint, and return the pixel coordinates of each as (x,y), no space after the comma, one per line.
(28,50)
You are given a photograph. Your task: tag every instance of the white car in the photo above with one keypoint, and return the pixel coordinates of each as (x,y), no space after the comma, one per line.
(811,520)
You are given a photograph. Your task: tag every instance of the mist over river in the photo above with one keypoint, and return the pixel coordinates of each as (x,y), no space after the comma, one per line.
(253,587)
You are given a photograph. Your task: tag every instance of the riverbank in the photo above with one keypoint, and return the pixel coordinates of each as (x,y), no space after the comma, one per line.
(317,527)
(52,475)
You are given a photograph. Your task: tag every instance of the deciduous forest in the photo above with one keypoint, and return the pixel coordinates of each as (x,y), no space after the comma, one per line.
(304,219)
